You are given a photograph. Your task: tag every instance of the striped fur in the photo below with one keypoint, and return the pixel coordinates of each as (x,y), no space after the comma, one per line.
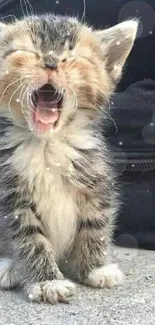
(57,197)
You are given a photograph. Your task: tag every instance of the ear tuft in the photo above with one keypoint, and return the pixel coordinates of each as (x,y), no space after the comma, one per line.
(117,43)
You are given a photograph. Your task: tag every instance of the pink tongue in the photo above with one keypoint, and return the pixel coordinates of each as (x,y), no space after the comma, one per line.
(46,119)
(46,113)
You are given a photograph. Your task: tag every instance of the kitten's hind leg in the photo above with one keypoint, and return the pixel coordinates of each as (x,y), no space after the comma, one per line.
(9,277)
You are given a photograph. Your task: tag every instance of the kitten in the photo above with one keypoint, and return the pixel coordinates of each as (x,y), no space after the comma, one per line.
(57,199)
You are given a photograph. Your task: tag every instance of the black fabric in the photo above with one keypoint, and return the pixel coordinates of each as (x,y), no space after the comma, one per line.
(134,112)
(137,217)
(131,130)
(134,139)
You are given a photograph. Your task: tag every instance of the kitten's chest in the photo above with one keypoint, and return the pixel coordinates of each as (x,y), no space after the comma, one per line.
(46,179)
(56,204)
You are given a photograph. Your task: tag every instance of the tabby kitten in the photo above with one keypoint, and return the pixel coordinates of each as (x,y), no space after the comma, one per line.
(57,198)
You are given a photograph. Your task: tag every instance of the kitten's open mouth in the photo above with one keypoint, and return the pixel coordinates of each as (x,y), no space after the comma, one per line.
(47,102)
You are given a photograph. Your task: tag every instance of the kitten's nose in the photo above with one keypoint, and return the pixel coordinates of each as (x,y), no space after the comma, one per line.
(50,62)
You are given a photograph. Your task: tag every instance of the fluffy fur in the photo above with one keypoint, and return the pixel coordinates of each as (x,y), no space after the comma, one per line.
(57,196)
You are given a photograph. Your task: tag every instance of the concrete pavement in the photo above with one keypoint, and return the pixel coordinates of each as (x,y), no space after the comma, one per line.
(131,304)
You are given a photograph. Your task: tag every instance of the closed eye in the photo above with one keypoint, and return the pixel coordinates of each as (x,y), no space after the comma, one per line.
(88,59)
(9,52)
(74,57)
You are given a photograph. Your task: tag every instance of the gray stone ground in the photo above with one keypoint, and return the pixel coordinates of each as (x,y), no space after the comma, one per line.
(131,304)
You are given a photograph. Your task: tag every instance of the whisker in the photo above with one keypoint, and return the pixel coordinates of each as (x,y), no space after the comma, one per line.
(8,16)
(84,11)
(103,109)
(12,83)
(20,79)
(29,4)
(22,95)
(99,109)
(75,97)
(30,20)
(10,110)
(75,100)
(22,8)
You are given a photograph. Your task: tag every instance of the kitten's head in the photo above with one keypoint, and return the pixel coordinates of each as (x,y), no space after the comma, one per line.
(53,66)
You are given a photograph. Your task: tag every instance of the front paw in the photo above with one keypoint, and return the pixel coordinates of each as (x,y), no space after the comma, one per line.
(51,291)
(105,276)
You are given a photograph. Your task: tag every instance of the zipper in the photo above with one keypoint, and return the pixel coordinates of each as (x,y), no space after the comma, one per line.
(135,165)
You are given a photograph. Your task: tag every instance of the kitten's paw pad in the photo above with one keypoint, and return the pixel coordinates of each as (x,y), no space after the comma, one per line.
(106,276)
(7,279)
(51,291)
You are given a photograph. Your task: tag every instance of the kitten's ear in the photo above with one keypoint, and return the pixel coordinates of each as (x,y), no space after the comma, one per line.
(117,43)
